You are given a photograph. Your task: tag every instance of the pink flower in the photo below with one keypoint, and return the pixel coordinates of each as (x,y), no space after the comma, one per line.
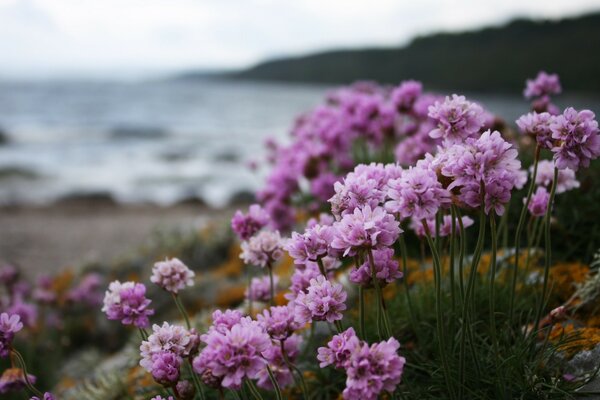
(260,288)
(539,202)
(9,325)
(365,228)
(404,96)
(457,119)
(167,338)
(234,354)
(127,302)
(386,269)
(279,321)
(247,225)
(545,174)
(576,133)
(312,245)
(339,349)
(263,249)
(324,301)
(537,125)
(172,275)
(543,85)
(165,368)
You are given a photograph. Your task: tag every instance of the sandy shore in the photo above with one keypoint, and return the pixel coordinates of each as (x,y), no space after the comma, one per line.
(47,239)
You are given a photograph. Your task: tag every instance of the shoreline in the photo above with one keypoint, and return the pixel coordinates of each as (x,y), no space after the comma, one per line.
(47,239)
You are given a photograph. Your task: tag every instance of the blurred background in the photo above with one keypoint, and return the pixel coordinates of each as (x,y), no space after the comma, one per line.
(118,118)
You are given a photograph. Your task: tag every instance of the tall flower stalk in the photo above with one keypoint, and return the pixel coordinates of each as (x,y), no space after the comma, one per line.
(519,231)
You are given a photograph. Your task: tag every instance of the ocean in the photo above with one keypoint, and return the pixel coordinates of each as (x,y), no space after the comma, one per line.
(155,141)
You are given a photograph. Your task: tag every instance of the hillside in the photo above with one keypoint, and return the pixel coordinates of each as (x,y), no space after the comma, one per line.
(495,58)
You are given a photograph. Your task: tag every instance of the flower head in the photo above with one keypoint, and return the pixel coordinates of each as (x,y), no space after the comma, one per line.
(545,175)
(543,85)
(127,302)
(234,354)
(577,140)
(339,349)
(279,321)
(165,368)
(365,228)
(246,225)
(456,118)
(537,125)
(539,202)
(172,275)
(386,269)
(262,249)
(312,245)
(260,288)
(9,325)
(405,95)
(166,338)
(323,301)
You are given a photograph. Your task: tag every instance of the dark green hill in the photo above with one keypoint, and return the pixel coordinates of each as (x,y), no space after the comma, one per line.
(497,58)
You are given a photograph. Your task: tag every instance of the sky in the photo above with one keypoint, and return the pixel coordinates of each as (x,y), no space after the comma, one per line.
(61,38)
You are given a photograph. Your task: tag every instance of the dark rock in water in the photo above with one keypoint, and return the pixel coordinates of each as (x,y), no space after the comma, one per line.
(175,155)
(138,132)
(228,157)
(91,199)
(242,198)
(3,137)
(17,173)
(195,201)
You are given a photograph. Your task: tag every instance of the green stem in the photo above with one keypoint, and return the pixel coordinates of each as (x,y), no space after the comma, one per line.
(492,302)
(272,302)
(462,251)
(548,249)
(274,383)
(382,312)
(437,274)
(28,383)
(452,254)
(322,267)
(361,312)
(518,233)
(470,285)
(411,311)
(293,369)
(143,333)
(338,326)
(196,380)
(250,300)
(182,310)
(254,390)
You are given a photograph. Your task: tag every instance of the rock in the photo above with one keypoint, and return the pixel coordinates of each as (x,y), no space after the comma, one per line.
(242,198)
(91,199)
(137,132)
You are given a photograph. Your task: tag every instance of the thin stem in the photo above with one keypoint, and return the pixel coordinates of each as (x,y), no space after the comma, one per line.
(182,310)
(143,333)
(461,254)
(250,299)
(470,285)
(25,374)
(518,233)
(233,392)
(382,312)
(253,390)
(411,311)
(548,249)
(361,312)
(437,274)
(293,369)
(196,380)
(274,383)
(322,267)
(272,302)
(452,254)
(338,326)
(494,234)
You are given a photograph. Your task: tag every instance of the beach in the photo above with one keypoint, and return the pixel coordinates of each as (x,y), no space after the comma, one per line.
(47,239)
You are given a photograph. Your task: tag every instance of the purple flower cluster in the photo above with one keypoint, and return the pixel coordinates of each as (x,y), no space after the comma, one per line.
(165,368)
(9,325)
(365,228)
(537,125)
(540,89)
(539,202)
(323,301)
(260,289)
(274,356)
(576,139)
(312,245)
(300,279)
(127,302)
(545,175)
(417,194)
(167,338)
(386,269)
(233,354)
(262,249)
(487,163)
(172,275)
(457,119)
(279,321)
(88,290)
(370,369)
(246,225)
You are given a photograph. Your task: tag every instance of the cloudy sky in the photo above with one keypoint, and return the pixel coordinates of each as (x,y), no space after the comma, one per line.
(43,38)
